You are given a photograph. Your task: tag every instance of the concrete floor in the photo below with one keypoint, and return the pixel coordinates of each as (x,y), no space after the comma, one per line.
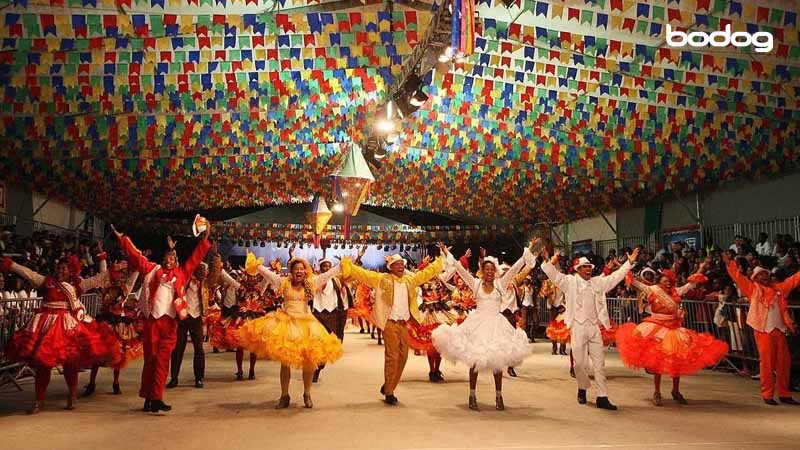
(725,411)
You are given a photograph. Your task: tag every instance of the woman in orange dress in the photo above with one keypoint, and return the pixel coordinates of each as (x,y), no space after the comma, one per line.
(659,344)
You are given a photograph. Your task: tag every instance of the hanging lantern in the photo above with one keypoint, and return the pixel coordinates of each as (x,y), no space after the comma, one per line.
(351,184)
(319,216)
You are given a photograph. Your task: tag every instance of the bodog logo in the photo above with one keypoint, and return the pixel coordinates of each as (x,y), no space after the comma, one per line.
(762,40)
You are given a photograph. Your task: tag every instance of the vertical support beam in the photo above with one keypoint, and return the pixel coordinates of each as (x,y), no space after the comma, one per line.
(699,205)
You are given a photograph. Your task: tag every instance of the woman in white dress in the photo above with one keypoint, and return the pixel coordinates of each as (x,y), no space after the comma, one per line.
(485,340)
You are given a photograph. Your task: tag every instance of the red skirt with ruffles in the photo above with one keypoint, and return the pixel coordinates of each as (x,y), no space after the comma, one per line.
(127,341)
(557,331)
(55,337)
(667,350)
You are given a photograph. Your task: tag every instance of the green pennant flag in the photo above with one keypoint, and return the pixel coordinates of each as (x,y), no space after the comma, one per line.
(642,26)
(658,13)
(776,17)
(30,24)
(719,7)
(587,16)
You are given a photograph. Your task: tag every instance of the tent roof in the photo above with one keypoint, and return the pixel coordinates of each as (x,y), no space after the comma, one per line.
(135,107)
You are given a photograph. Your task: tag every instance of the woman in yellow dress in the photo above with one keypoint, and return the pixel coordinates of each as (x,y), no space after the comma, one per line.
(292,335)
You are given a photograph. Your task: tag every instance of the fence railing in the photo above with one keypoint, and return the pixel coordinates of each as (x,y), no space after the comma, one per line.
(721,235)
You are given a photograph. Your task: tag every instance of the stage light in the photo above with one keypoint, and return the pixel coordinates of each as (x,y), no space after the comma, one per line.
(380,248)
(419,98)
(247,244)
(240,243)
(338,207)
(384,126)
(263,244)
(279,244)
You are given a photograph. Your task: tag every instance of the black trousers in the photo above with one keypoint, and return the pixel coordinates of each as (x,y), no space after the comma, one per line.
(334,321)
(191,326)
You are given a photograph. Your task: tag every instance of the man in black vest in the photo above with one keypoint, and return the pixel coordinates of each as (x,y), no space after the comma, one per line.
(330,306)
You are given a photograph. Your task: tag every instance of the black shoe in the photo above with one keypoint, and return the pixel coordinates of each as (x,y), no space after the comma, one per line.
(563,353)
(572,372)
(198,384)
(251,375)
(239,376)
(89,389)
(216,350)
(391,399)
(439,376)
(473,403)
(159,405)
(770,402)
(382,389)
(307,403)
(582,396)
(555,352)
(499,405)
(788,401)
(117,390)
(511,372)
(315,378)
(603,403)
(173,383)
(146,407)
(283,403)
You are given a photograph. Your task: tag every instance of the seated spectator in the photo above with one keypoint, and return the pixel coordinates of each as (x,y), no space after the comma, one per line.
(763,247)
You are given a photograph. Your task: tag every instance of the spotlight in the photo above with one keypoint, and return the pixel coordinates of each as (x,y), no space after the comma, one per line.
(338,207)
(391,138)
(460,59)
(263,244)
(404,99)
(447,55)
(380,248)
(247,244)
(384,126)
(240,243)
(280,244)
(301,245)
(394,247)
(402,248)
(351,246)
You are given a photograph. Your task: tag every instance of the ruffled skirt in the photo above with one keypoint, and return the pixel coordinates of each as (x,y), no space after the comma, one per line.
(362,306)
(223,332)
(419,334)
(55,337)
(298,341)
(558,332)
(666,350)
(126,332)
(484,341)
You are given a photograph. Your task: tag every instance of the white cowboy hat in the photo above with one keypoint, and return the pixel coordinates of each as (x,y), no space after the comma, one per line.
(757,271)
(493,260)
(199,225)
(393,259)
(583,261)
(325,260)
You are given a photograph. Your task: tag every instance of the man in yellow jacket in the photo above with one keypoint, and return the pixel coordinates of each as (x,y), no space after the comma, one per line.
(395,304)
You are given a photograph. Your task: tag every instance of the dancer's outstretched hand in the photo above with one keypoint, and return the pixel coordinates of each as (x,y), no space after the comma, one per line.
(443,249)
(633,256)
(117,233)
(468,253)
(534,243)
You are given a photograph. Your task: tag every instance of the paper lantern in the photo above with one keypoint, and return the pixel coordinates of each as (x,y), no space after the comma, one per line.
(319,216)
(351,184)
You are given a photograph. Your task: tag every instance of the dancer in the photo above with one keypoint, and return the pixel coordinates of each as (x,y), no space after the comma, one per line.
(530,309)
(395,304)
(249,302)
(556,330)
(585,310)
(659,344)
(291,335)
(330,305)
(485,340)
(121,317)
(510,306)
(198,293)
(770,320)
(161,301)
(434,311)
(60,333)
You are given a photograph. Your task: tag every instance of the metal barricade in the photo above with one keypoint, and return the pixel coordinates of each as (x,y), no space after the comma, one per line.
(15,313)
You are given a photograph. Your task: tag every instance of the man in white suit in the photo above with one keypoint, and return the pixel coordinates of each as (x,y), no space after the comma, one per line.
(586,310)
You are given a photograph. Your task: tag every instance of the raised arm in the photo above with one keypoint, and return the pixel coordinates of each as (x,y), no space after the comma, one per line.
(101,280)
(228,280)
(434,269)
(742,282)
(512,275)
(272,278)
(368,277)
(199,253)
(616,277)
(136,259)
(322,279)
(34,278)
(463,272)
(788,285)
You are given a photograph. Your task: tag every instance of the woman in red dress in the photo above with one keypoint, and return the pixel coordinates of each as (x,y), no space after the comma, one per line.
(660,344)
(60,332)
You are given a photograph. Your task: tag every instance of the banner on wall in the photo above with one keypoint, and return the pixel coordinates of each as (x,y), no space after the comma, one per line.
(690,235)
(584,247)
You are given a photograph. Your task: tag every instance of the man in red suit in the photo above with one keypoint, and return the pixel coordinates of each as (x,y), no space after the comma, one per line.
(161,301)
(769,318)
